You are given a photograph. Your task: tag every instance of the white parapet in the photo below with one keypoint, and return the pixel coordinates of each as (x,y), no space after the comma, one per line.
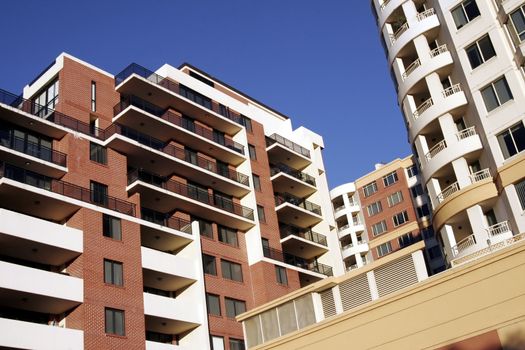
(178,309)
(171,264)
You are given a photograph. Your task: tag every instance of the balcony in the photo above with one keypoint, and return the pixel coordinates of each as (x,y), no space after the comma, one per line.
(480,175)
(438,147)
(37,290)
(312,266)
(162,195)
(296,211)
(165,92)
(24,153)
(166,124)
(167,271)
(28,238)
(170,315)
(447,192)
(295,182)
(303,243)
(49,198)
(499,235)
(27,335)
(352,249)
(162,232)
(283,151)
(164,158)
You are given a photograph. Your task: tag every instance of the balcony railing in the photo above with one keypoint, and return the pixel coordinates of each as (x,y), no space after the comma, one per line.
(339,208)
(174,87)
(175,151)
(281,198)
(66,189)
(438,147)
(176,120)
(8,140)
(447,192)
(462,245)
(480,175)
(165,220)
(425,14)
(454,89)
(411,67)
(422,107)
(278,168)
(192,192)
(438,50)
(297,261)
(342,228)
(383,5)
(356,221)
(270,140)
(398,33)
(287,230)
(468,132)
(499,228)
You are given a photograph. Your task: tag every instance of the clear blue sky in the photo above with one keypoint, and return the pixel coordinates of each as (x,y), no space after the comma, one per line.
(319,62)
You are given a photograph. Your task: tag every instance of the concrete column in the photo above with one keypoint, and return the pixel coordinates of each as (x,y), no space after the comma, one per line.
(462,172)
(421,267)
(433,188)
(422,49)
(435,87)
(448,128)
(359,260)
(409,106)
(449,241)
(399,68)
(422,148)
(478,223)
(318,307)
(337,300)
(516,214)
(372,284)
(409,8)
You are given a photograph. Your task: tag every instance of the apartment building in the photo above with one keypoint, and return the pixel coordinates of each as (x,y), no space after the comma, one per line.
(148,209)
(382,212)
(458,70)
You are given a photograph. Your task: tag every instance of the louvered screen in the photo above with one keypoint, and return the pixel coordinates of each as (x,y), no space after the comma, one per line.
(355,292)
(327,298)
(395,275)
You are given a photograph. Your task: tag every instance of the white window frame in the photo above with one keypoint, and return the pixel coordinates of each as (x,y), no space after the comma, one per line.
(370,189)
(374,208)
(395,198)
(390,179)
(403,215)
(379,228)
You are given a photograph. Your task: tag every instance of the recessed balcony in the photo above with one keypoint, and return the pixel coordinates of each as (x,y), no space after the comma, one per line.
(295,182)
(296,211)
(162,232)
(352,249)
(165,92)
(307,266)
(167,124)
(170,315)
(283,151)
(303,243)
(165,196)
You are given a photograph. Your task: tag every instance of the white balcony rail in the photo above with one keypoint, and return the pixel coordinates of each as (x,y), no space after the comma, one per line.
(425,14)
(343,227)
(339,208)
(348,246)
(468,132)
(447,192)
(422,108)
(499,228)
(398,33)
(411,67)
(383,5)
(353,203)
(454,89)
(438,147)
(480,175)
(356,221)
(352,267)
(438,50)
(462,245)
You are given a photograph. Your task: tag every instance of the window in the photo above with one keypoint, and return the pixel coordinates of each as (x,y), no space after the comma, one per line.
(190,156)
(213,304)
(379,228)
(266,247)
(434,253)
(496,94)
(228,235)
(223,169)
(412,171)
(400,218)
(247,122)
(93,96)
(111,227)
(47,99)
(114,321)
(395,198)
(205,228)
(231,270)
(416,191)
(237,344)
(252,152)
(481,51)
(370,189)
(99,193)
(234,307)
(113,272)
(406,240)
(374,208)
(390,179)
(280,274)
(512,140)
(465,12)
(261,214)
(518,22)
(256,182)
(217,343)
(384,249)
(209,265)
(223,201)
(423,211)
(188,123)
(98,153)
(194,96)
(520,190)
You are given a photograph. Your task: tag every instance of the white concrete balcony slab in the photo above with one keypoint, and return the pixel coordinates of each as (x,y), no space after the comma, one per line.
(386,8)
(151,345)
(26,335)
(26,237)
(353,249)
(167,271)
(170,315)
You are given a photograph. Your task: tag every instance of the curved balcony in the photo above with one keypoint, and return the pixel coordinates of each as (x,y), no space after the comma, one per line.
(451,100)
(353,249)
(353,207)
(425,22)
(297,211)
(440,60)
(386,8)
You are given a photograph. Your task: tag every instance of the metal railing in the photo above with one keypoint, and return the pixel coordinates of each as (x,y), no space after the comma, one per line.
(383,5)
(398,33)
(422,107)
(499,228)
(278,168)
(297,261)
(438,50)
(165,220)
(177,120)
(480,175)
(447,192)
(281,198)
(425,14)
(438,147)
(463,134)
(308,234)
(462,245)
(66,189)
(190,191)
(270,140)
(19,144)
(454,89)
(411,68)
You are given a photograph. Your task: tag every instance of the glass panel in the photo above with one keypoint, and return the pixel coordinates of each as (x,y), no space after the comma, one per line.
(117,274)
(217,343)
(506,144)
(518,20)
(253,331)
(471,9)
(474,56)
(107,271)
(486,48)
(109,321)
(270,325)
(287,318)
(459,17)
(503,90)
(518,133)
(119,322)
(489,97)
(304,307)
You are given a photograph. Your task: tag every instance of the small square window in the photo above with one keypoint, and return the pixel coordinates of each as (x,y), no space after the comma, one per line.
(236,344)
(280,274)
(384,249)
(213,304)
(231,270)
(99,193)
(465,12)
(228,235)
(114,321)
(234,307)
(374,208)
(390,179)
(395,198)
(512,140)
(111,227)
(210,267)
(400,218)
(98,153)
(496,94)
(113,273)
(370,189)
(206,228)
(480,52)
